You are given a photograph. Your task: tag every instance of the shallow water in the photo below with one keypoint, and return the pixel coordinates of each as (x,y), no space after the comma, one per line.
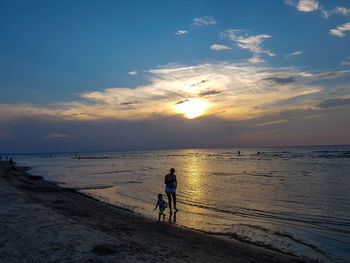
(292,199)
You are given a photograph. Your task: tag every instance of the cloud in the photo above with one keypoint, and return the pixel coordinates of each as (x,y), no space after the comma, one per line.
(252,43)
(56,135)
(334,103)
(329,75)
(304,5)
(338,10)
(271,123)
(339,31)
(281,80)
(208,93)
(291,2)
(294,54)
(219,47)
(181,32)
(307,5)
(232,91)
(132,73)
(128,103)
(346,63)
(199,83)
(255,60)
(247,105)
(313,5)
(204,21)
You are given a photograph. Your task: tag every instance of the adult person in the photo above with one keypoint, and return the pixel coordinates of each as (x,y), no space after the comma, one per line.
(170,188)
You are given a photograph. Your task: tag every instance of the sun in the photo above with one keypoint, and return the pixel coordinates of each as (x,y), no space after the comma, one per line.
(192,108)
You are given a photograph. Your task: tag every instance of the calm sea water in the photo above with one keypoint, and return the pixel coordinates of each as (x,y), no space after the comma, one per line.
(292,199)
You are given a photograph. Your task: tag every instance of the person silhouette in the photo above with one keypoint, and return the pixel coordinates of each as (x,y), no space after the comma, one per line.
(170,188)
(12,164)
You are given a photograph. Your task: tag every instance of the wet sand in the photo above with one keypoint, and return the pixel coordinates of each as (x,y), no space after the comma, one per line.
(43,222)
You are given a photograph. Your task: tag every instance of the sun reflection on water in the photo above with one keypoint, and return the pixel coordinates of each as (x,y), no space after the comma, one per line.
(194,180)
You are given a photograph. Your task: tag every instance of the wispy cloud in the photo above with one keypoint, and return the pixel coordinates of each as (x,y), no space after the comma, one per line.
(56,135)
(255,60)
(291,2)
(338,10)
(304,5)
(334,103)
(269,123)
(204,21)
(346,62)
(281,80)
(329,75)
(132,73)
(232,91)
(219,47)
(252,43)
(181,32)
(294,53)
(339,31)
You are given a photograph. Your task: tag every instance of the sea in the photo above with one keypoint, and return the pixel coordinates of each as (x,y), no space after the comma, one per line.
(295,200)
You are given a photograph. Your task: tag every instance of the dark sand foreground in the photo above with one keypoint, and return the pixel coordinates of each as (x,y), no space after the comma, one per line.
(42,222)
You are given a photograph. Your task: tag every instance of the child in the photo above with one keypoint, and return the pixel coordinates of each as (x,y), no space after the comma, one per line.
(162,205)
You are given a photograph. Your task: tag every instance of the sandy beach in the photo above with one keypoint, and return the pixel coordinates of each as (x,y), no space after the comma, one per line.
(43,222)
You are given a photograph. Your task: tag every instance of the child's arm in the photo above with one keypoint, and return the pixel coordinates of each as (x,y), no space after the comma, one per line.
(156,206)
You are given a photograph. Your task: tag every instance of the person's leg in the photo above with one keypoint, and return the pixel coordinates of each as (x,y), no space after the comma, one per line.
(174,199)
(169,200)
(161,213)
(159,217)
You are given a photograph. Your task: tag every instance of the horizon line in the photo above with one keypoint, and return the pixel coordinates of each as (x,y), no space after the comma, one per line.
(174,149)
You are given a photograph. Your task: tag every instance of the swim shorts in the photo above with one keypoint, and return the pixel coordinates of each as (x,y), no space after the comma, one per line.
(161,211)
(170,189)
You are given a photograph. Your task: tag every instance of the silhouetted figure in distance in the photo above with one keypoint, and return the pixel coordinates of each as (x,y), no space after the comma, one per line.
(12,164)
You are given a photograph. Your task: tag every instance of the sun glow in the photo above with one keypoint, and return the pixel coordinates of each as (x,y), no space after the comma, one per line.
(192,108)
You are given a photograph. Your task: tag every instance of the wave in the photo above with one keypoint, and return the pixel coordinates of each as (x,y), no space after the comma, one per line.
(112,172)
(320,222)
(93,187)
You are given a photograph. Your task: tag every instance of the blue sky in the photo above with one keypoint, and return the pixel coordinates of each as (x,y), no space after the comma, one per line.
(260,68)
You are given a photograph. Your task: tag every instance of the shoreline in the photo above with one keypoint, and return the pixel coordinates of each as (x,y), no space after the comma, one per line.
(51,223)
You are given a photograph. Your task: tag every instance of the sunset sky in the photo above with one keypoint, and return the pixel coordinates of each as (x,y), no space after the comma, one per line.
(139,75)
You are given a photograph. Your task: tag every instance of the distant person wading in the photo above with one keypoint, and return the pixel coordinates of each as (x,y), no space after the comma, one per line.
(170,188)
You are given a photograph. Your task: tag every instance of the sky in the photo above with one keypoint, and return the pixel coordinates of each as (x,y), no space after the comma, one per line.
(88,75)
